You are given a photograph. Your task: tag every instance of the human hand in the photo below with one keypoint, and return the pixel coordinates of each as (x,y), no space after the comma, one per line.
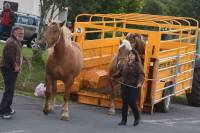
(17,67)
(30,67)
(115,75)
(111,78)
(139,85)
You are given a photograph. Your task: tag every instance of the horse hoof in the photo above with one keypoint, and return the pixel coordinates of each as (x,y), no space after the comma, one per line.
(50,110)
(45,112)
(111,112)
(64,118)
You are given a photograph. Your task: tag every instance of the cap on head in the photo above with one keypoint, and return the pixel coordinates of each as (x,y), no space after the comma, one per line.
(7,5)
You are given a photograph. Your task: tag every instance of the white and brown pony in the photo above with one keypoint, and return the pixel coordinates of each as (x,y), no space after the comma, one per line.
(64,63)
(116,64)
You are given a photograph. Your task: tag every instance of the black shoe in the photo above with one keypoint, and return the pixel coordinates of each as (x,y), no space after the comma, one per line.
(122,123)
(136,122)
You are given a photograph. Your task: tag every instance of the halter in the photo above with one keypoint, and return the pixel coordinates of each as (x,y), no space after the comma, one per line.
(127,44)
(56,40)
(67,38)
(60,30)
(118,59)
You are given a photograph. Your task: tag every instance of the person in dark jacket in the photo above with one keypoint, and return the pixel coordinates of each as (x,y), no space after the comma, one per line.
(132,75)
(8,19)
(10,67)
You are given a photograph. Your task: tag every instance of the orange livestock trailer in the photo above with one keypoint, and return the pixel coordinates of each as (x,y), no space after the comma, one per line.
(169,56)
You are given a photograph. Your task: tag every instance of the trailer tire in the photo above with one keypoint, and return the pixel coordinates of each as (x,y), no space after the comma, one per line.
(193,98)
(164,105)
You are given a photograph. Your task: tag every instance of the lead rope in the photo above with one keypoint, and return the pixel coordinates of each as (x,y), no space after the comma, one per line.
(28,78)
(124,83)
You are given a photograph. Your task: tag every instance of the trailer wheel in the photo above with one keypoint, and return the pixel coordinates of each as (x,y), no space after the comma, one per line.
(164,105)
(193,98)
(189,98)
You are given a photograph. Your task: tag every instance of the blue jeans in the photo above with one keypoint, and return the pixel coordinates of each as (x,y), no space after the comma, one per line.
(5,30)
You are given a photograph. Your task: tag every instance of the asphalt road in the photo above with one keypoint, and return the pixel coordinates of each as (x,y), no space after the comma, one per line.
(90,119)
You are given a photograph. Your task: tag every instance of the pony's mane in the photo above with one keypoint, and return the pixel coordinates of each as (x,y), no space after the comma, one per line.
(67,34)
(126,43)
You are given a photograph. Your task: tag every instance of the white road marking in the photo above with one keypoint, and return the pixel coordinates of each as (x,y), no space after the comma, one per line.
(17,131)
(192,122)
(167,120)
(58,105)
(173,121)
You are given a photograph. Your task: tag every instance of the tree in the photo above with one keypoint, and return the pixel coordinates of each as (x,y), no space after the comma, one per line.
(120,6)
(155,7)
(189,8)
(81,6)
(103,6)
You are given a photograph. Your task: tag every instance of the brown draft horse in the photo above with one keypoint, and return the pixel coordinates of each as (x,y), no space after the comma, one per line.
(64,63)
(126,45)
(138,43)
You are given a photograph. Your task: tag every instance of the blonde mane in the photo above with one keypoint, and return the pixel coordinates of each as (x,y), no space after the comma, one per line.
(67,34)
(126,43)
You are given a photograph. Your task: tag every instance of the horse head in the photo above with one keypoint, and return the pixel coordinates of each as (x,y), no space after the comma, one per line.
(123,51)
(53,32)
(137,42)
(133,38)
